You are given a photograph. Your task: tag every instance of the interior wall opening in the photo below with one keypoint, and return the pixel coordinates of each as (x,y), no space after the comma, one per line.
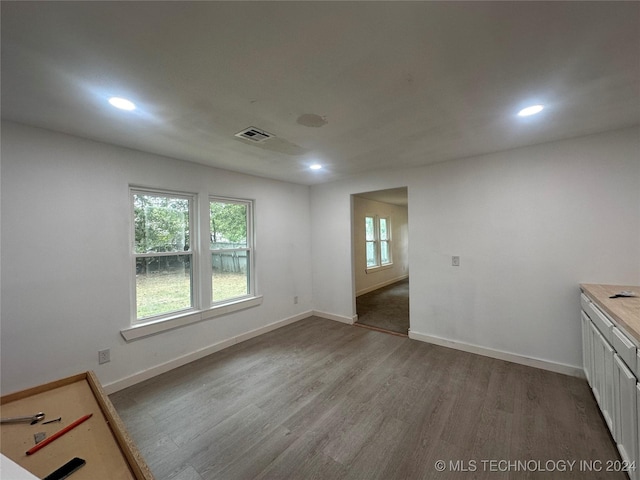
(380,229)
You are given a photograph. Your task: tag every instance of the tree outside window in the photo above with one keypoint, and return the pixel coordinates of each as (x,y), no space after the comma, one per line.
(163,254)
(231,249)
(170,276)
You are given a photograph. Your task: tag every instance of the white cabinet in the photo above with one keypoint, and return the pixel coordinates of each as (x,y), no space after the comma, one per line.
(587,347)
(601,321)
(597,376)
(626,416)
(611,362)
(625,348)
(608,387)
(625,412)
(603,376)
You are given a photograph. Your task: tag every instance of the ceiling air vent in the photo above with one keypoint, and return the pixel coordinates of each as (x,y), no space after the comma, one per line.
(254,134)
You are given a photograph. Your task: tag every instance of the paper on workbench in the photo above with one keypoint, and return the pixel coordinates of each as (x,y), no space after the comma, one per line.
(10,469)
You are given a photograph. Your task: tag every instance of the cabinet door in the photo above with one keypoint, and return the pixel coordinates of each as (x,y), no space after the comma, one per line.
(601,321)
(597,372)
(625,411)
(587,348)
(607,386)
(625,348)
(603,377)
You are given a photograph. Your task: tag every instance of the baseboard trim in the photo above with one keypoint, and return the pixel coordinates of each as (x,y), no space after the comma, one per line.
(203,352)
(500,355)
(272,326)
(381,285)
(337,318)
(216,347)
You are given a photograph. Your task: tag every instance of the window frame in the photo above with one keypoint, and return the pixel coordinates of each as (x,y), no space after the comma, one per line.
(373,241)
(377,242)
(192,198)
(249,249)
(203,307)
(386,240)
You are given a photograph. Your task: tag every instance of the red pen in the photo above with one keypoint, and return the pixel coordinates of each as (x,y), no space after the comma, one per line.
(58,434)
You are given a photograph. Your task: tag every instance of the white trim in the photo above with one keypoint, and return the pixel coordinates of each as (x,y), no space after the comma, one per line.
(230,307)
(251,239)
(377,242)
(146,329)
(192,252)
(203,352)
(337,318)
(380,285)
(500,355)
(377,268)
(272,326)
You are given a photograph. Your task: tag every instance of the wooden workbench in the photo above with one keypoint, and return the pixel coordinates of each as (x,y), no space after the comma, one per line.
(102,440)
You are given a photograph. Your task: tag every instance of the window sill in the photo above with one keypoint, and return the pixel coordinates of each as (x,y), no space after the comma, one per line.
(151,328)
(377,269)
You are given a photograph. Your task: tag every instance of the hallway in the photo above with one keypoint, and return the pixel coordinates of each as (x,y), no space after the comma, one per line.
(386,308)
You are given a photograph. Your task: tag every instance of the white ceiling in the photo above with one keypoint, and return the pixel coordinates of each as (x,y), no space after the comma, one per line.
(396,196)
(356,86)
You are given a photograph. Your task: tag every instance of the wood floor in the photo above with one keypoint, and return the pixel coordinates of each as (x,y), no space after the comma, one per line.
(386,308)
(322,400)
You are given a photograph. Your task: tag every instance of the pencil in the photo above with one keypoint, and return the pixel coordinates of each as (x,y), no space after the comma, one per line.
(58,434)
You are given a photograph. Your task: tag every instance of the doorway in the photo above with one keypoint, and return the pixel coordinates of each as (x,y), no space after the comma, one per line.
(380,238)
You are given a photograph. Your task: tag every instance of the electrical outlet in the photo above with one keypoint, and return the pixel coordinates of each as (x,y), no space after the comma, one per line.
(455,261)
(104,356)
(295,300)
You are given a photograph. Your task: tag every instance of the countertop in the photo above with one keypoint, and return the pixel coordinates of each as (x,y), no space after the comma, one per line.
(624,310)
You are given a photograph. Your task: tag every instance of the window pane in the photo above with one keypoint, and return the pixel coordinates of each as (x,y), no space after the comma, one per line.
(163,285)
(161,223)
(371,254)
(228,225)
(230,277)
(384,252)
(383,229)
(370,230)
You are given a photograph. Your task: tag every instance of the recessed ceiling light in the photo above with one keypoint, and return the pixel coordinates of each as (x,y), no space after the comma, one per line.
(122,103)
(532,110)
(315,166)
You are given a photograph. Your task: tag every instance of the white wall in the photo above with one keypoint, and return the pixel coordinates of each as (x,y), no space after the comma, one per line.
(369,280)
(65,256)
(529,225)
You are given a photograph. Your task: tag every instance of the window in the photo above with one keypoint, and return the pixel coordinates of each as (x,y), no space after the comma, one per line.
(174,284)
(231,249)
(378,241)
(385,254)
(162,253)
(370,238)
